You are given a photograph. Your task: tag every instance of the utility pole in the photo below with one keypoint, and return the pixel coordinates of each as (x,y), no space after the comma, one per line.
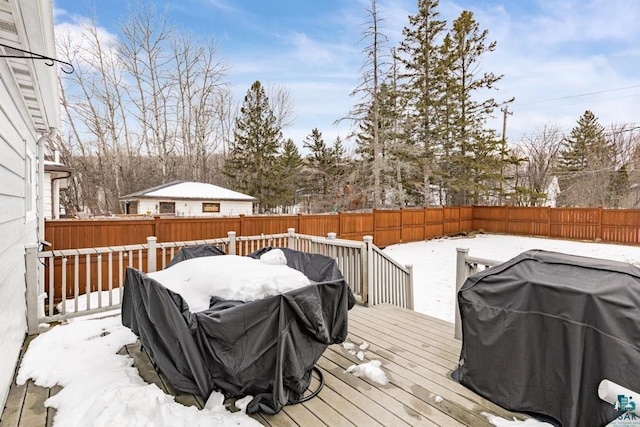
(503,150)
(505,112)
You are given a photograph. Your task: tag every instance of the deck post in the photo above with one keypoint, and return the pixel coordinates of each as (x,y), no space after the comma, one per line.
(151,254)
(232,242)
(31,276)
(367,272)
(461,277)
(332,249)
(291,243)
(409,287)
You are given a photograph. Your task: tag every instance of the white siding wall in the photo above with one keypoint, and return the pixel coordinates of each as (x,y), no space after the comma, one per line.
(48,204)
(17,226)
(194,208)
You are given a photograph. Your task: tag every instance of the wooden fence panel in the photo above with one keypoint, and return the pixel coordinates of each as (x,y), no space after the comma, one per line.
(532,221)
(319,225)
(412,225)
(465,218)
(186,229)
(356,225)
(73,234)
(273,224)
(490,219)
(434,222)
(620,226)
(575,223)
(388,227)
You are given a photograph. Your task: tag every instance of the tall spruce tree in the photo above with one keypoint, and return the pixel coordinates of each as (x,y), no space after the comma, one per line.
(587,165)
(251,165)
(473,153)
(422,86)
(318,162)
(290,172)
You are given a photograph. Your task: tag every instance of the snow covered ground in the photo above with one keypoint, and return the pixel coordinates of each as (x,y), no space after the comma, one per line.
(100,385)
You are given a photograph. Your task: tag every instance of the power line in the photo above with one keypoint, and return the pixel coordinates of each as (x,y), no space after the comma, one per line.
(612,129)
(580,95)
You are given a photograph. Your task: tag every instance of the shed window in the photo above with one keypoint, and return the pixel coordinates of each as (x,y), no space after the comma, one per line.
(167,207)
(211,207)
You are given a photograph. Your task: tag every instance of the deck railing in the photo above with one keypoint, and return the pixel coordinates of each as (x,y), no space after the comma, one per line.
(79,282)
(465,267)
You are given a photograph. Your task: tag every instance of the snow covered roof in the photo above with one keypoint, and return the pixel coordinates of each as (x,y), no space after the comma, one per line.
(189,190)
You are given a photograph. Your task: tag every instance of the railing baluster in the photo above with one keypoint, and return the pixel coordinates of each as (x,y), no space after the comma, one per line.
(87,285)
(51,296)
(110,262)
(99,280)
(63,303)
(76,282)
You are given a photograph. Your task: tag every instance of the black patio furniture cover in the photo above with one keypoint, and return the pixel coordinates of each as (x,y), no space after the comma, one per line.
(542,330)
(265,348)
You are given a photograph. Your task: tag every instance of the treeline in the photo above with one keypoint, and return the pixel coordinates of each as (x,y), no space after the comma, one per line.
(154,105)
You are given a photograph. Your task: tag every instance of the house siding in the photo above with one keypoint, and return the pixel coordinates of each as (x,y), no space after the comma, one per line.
(29,107)
(17,226)
(193,208)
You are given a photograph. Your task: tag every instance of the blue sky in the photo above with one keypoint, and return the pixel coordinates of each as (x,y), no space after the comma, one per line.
(559,58)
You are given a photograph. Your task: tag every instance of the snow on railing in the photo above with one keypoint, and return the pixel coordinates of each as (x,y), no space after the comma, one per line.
(86,281)
(465,267)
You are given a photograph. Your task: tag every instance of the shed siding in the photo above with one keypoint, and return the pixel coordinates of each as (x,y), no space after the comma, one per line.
(193,208)
(17,226)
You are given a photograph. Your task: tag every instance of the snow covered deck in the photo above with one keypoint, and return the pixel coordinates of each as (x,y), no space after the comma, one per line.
(417,352)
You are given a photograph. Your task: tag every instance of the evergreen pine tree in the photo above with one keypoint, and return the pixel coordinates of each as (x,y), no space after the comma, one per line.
(290,172)
(251,165)
(422,87)
(587,165)
(318,162)
(472,152)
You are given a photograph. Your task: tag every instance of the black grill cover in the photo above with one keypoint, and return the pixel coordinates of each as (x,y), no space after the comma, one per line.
(542,330)
(265,348)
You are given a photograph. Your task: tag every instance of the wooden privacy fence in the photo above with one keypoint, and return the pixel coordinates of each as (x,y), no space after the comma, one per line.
(386,226)
(598,224)
(88,280)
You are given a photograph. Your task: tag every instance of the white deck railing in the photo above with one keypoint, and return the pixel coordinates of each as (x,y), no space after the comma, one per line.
(465,267)
(373,276)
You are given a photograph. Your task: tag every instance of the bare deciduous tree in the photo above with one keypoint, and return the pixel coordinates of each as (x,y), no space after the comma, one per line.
(146,107)
(542,151)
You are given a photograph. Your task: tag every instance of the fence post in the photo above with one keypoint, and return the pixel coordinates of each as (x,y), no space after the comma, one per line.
(232,242)
(461,276)
(409,289)
(333,249)
(291,243)
(367,272)
(157,226)
(151,253)
(241,216)
(31,275)
(599,230)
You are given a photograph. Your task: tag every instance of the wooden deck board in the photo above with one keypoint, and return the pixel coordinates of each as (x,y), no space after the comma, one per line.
(418,354)
(16,397)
